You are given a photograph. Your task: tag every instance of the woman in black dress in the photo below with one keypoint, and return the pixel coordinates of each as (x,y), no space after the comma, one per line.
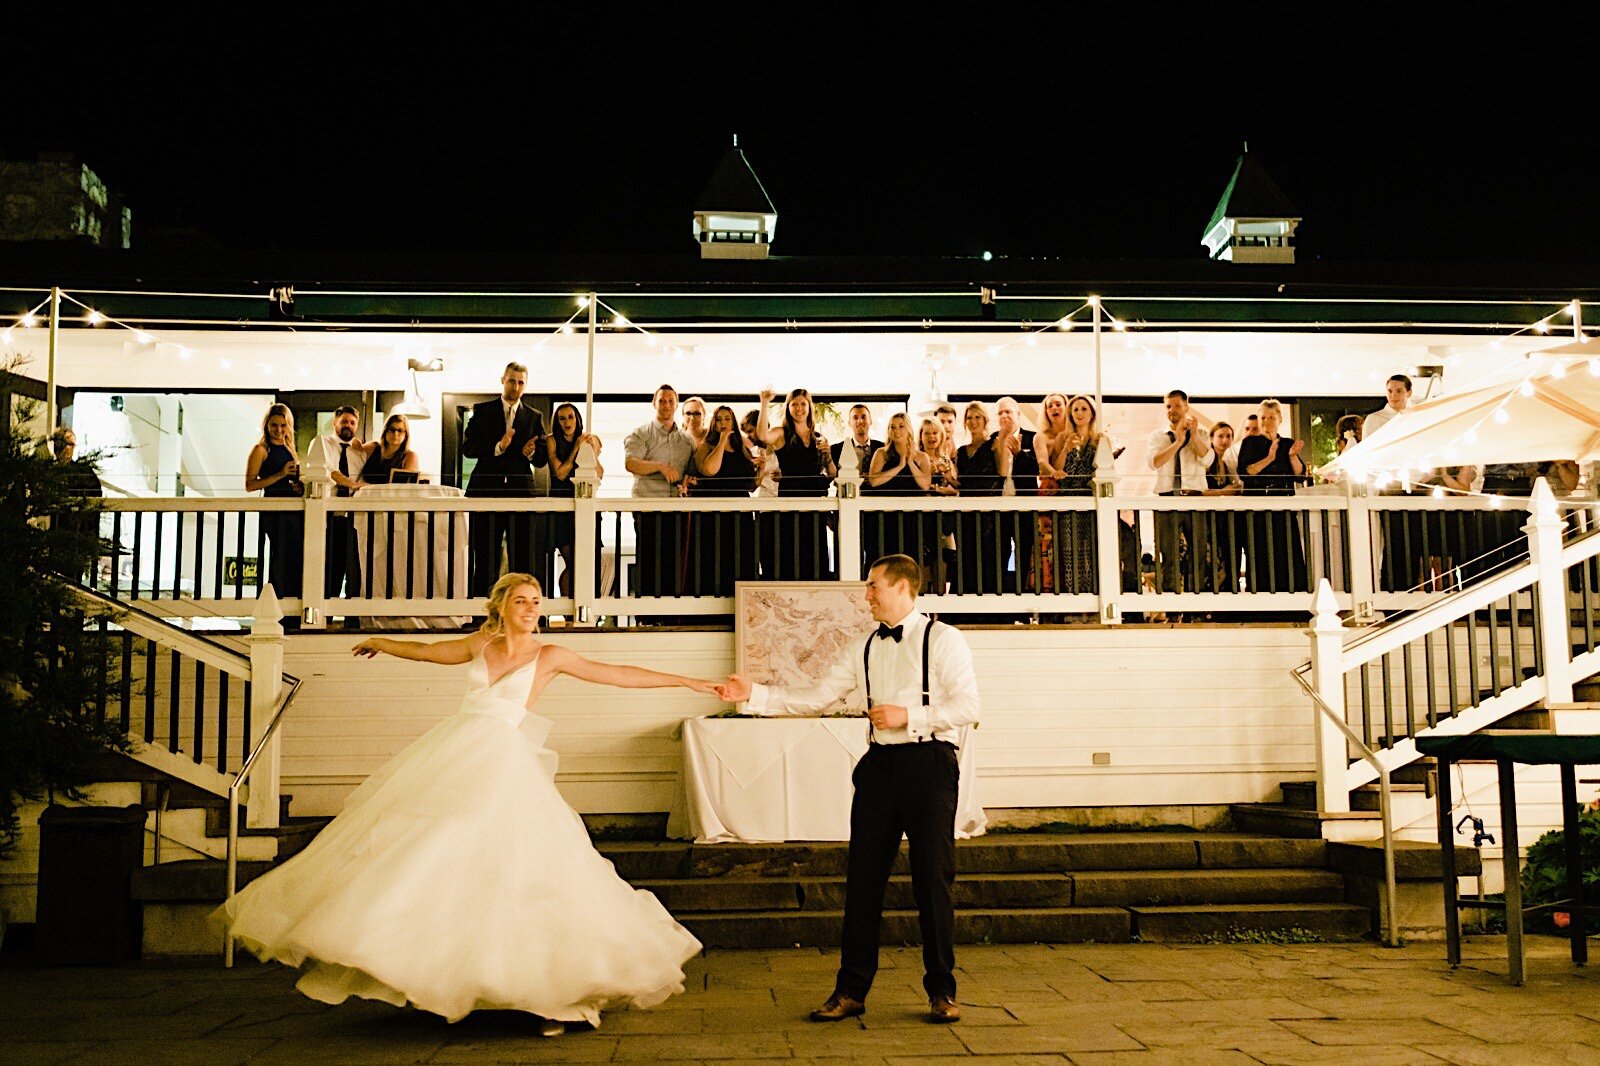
(1075,548)
(1225,530)
(724,547)
(390,452)
(561,446)
(1270,465)
(795,545)
(899,468)
(273,469)
(982,467)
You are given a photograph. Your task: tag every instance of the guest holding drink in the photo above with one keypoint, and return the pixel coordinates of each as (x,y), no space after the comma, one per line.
(562,450)
(273,470)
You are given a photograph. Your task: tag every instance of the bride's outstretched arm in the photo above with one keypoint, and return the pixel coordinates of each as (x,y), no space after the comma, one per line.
(446,652)
(565,661)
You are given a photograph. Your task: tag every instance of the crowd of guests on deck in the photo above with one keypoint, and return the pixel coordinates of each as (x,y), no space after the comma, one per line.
(688,449)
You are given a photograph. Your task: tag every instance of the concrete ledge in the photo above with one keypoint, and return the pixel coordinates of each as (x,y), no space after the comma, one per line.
(1414,860)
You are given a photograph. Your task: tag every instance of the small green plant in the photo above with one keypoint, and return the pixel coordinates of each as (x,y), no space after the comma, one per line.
(1544,877)
(1236,935)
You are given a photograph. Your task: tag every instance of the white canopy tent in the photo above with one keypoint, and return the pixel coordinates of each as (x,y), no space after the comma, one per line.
(1547,408)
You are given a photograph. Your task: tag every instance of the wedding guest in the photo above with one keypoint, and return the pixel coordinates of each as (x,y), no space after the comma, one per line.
(1222,479)
(694,419)
(946,414)
(658,455)
(1252,428)
(561,448)
(1179,456)
(725,550)
(1050,447)
(1018,530)
(933,528)
(390,452)
(506,437)
(1271,465)
(1446,536)
(799,541)
(899,468)
(1075,547)
(860,439)
(85,481)
(344,456)
(1397,390)
(1400,532)
(273,470)
(81,482)
(982,465)
(1347,432)
(766,463)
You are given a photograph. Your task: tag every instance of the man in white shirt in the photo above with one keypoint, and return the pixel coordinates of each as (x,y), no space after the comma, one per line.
(340,452)
(657,454)
(1397,570)
(1398,389)
(915,677)
(1179,456)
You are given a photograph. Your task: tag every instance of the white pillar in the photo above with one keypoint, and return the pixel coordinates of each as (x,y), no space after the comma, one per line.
(313,572)
(1327,679)
(1107,533)
(849,541)
(1544,530)
(266,687)
(585,533)
(1360,537)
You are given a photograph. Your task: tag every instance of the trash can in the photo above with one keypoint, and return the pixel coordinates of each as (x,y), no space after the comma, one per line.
(86,912)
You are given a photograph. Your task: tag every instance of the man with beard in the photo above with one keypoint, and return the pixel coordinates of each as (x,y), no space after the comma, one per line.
(342,454)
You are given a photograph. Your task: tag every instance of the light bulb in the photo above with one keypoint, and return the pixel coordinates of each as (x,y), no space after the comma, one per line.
(1495,502)
(1119,325)
(1527,388)
(566,327)
(1470,436)
(539,347)
(583,301)
(1594,367)
(29,320)
(225,364)
(1541,326)
(1032,341)
(5,338)
(991,351)
(1559,370)
(94,318)
(142,337)
(650,341)
(620,322)
(1066,325)
(1501,416)
(987,256)
(185,353)
(1494,346)
(1438,492)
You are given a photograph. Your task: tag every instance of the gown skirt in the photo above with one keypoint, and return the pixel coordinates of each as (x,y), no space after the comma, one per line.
(457,879)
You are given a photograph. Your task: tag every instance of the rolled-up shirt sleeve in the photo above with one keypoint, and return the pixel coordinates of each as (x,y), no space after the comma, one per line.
(838,683)
(953,688)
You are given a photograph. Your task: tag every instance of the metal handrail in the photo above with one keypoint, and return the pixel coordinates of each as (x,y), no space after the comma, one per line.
(1392,922)
(293,686)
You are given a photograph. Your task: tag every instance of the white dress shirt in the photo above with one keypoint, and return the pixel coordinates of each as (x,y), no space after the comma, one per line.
(1376,420)
(325,449)
(952,701)
(1196,457)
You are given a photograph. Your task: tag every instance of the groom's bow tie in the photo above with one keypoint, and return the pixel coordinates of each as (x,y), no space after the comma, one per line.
(891,632)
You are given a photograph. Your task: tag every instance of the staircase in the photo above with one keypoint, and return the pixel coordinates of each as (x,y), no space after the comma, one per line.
(1013,888)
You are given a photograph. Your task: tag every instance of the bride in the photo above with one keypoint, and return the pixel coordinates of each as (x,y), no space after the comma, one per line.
(457,879)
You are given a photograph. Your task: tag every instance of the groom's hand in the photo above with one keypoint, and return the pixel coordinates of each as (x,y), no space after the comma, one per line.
(734,690)
(887,716)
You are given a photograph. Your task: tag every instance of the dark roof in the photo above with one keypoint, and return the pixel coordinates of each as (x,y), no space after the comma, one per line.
(1251,193)
(735,187)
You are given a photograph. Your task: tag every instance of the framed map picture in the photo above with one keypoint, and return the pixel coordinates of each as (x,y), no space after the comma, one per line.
(789,632)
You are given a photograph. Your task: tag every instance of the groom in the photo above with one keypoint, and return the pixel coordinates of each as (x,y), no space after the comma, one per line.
(915,677)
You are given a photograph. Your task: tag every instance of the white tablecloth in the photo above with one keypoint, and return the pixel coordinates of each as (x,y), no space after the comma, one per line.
(439,560)
(773,779)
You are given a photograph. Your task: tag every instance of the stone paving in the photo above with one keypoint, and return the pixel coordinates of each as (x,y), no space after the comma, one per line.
(1357,1003)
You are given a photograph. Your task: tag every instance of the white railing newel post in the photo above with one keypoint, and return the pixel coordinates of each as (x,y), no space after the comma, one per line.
(585,533)
(849,502)
(1360,537)
(1544,529)
(266,643)
(1327,678)
(314,570)
(1107,534)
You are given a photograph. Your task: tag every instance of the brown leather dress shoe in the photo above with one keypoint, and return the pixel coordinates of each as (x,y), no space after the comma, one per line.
(943,1009)
(838,1008)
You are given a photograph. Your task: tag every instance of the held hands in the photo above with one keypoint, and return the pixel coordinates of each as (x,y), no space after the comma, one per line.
(367,649)
(734,690)
(887,716)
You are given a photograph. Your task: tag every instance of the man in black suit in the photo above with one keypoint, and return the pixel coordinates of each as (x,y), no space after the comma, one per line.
(507,440)
(860,438)
(1017,528)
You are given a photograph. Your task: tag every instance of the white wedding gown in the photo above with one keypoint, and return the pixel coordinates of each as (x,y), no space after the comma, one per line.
(458,879)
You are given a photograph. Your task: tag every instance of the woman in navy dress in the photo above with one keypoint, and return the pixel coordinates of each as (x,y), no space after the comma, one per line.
(724,551)
(273,470)
(795,545)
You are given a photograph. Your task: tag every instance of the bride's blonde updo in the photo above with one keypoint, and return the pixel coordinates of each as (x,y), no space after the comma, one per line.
(495,608)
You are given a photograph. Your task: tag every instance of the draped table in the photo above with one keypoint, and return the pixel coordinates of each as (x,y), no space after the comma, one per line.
(385,552)
(788,778)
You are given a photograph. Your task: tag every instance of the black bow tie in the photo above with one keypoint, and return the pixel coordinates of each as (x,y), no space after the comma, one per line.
(891,632)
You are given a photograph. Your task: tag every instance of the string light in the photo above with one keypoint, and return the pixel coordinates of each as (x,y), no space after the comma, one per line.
(583,301)
(29,320)
(94,318)
(1501,416)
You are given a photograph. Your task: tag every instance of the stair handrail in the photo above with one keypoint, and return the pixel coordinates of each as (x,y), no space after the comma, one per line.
(1391,935)
(158,628)
(1379,640)
(285,697)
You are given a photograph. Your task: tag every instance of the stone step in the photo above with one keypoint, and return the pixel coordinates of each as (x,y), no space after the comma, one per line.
(1301,794)
(997,853)
(1247,922)
(979,891)
(820,929)
(1128,888)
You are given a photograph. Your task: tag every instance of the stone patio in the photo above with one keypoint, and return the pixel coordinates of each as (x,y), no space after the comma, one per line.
(1087,1003)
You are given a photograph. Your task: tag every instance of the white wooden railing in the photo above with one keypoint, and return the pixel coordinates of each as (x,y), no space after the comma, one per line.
(209,555)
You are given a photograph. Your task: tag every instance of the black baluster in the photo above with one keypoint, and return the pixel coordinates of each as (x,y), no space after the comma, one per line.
(102,668)
(1452,684)
(411,552)
(199,711)
(1388,702)
(174,695)
(1429,674)
(155,567)
(116,553)
(125,698)
(388,556)
(149,691)
(222,721)
(138,536)
(1493,625)
(1411,702)
(1472,660)
(428,581)
(1366,707)
(238,557)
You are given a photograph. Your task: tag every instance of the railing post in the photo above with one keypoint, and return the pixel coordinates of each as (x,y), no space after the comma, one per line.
(314,572)
(266,685)
(849,533)
(1107,534)
(1359,537)
(1327,677)
(585,533)
(1544,550)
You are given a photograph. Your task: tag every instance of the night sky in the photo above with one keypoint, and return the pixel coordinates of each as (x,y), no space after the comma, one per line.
(985,139)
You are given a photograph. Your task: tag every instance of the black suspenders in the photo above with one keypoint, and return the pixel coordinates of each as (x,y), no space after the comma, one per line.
(866,671)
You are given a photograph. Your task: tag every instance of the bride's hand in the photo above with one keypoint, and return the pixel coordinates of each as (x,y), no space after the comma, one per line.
(367,649)
(704,687)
